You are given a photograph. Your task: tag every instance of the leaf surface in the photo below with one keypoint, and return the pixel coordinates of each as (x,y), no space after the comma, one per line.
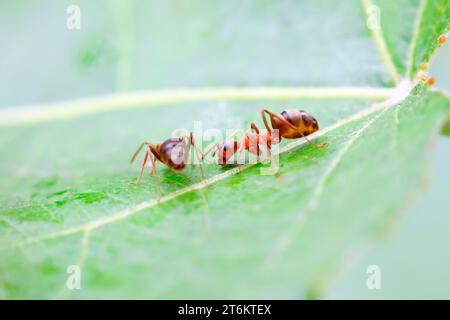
(65,198)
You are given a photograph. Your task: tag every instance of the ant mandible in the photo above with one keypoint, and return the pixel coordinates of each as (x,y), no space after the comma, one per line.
(290,124)
(173,152)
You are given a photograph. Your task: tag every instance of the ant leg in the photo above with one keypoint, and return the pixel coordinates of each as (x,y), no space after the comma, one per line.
(198,153)
(254,128)
(278,117)
(241,149)
(263,115)
(253,146)
(268,139)
(269,148)
(144,162)
(139,150)
(209,150)
(273,138)
(317,145)
(155,153)
(287,123)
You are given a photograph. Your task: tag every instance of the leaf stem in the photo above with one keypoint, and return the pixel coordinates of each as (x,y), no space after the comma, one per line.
(120,101)
(415,36)
(380,42)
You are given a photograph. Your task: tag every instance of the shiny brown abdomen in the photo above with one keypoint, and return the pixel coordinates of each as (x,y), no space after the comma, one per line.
(301,120)
(174,153)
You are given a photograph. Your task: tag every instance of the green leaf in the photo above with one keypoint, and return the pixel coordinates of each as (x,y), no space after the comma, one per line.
(432,22)
(65,196)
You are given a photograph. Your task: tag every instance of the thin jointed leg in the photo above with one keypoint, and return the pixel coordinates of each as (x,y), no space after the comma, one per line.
(317,145)
(155,153)
(150,152)
(144,162)
(198,153)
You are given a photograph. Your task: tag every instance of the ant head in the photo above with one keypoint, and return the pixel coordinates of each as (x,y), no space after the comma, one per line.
(229,146)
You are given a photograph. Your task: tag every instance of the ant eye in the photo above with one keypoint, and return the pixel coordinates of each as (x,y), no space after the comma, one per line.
(225,147)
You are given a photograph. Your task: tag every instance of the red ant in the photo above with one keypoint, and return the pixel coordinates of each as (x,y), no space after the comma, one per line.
(291,124)
(173,152)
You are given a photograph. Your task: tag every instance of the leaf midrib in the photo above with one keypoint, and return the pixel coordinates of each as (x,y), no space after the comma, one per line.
(36,113)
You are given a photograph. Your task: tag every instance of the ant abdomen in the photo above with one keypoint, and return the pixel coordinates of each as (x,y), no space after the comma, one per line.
(301,123)
(174,153)
(301,119)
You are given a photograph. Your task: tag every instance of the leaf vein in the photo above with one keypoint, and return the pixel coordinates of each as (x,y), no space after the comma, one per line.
(413,43)
(10,116)
(380,43)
